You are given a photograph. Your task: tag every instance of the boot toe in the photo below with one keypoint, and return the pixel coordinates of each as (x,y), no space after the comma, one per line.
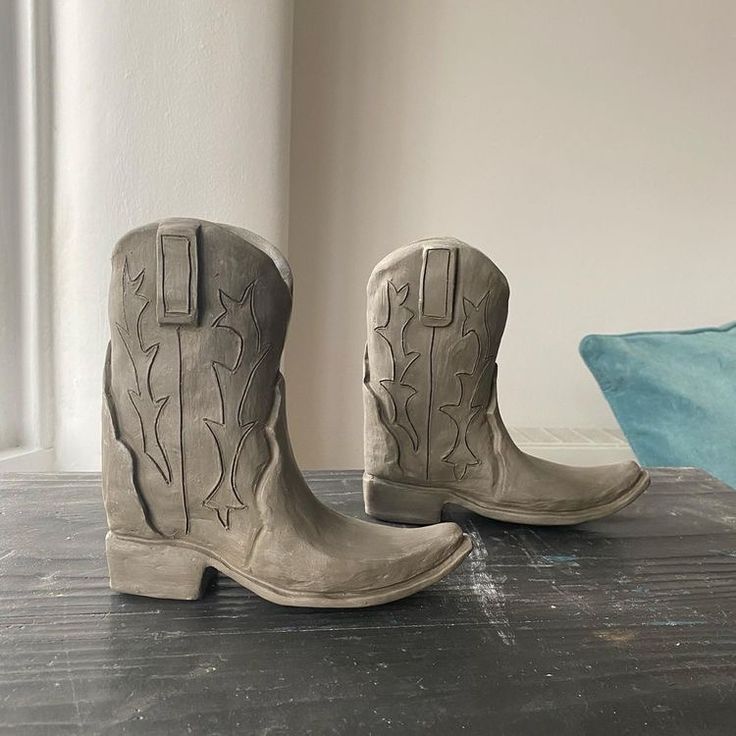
(611,481)
(425,547)
(550,493)
(400,554)
(382,557)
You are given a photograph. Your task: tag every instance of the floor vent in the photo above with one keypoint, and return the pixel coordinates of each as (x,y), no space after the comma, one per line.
(579,446)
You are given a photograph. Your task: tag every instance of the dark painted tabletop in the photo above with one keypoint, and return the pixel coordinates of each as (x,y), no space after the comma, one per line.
(621,626)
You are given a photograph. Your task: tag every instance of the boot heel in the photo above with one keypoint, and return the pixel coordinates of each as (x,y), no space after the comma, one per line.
(156,569)
(402,503)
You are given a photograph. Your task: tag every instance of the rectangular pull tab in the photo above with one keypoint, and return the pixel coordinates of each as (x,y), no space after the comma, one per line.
(177,269)
(437,286)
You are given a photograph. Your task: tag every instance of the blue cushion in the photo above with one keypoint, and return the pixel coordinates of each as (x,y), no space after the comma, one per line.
(673,393)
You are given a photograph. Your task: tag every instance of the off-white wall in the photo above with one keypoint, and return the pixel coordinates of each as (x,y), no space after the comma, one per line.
(162,108)
(588,147)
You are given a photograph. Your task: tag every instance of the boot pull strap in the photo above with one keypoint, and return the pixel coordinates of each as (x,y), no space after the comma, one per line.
(437,286)
(177,272)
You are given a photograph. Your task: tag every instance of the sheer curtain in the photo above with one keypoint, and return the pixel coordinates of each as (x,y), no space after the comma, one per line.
(25,218)
(10,232)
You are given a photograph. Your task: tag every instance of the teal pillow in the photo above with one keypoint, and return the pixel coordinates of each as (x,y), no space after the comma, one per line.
(673,393)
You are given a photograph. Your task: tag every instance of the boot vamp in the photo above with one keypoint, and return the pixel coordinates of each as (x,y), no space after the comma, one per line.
(541,485)
(350,556)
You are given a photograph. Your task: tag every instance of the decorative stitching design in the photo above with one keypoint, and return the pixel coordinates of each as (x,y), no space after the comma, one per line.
(400,391)
(148,407)
(231,433)
(475,386)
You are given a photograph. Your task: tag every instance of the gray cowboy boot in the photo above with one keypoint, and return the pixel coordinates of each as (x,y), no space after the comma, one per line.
(433,430)
(198,472)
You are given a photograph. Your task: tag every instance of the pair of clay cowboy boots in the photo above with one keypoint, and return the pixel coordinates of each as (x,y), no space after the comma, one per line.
(198,471)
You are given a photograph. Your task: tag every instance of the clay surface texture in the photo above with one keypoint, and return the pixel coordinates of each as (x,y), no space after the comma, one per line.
(433,430)
(198,472)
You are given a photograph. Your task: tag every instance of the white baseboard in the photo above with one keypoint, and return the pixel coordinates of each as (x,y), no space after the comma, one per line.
(26,459)
(573,446)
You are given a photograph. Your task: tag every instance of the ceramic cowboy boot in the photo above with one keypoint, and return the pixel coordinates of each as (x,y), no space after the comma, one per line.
(433,431)
(198,472)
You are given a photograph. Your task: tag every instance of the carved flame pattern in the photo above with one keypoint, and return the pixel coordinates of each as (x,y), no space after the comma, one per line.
(400,392)
(147,406)
(232,431)
(475,387)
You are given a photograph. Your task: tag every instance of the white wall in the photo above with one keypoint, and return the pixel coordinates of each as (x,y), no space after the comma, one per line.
(588,147)
(161,108)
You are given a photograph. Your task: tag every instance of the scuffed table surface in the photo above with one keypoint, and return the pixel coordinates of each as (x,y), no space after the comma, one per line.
(622,626)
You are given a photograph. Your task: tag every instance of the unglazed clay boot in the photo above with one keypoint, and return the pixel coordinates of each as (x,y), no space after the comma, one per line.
(198,472)
(433,431)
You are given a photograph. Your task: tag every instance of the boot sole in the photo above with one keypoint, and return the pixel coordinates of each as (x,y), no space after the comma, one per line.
(181,570)
(414,504)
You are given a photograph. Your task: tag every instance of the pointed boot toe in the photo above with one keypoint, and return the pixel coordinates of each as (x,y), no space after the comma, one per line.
(413,552)
(543,492)
(387,563)
(433,430)
(354,564)
(611,488)
(415,558)
(435,542)
(433,549)
(608,482)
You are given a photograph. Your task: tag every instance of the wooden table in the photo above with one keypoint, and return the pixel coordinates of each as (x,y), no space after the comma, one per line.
(622,626)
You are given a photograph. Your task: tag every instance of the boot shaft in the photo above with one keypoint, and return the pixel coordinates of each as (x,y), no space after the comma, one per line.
(198,315)
(436,314)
